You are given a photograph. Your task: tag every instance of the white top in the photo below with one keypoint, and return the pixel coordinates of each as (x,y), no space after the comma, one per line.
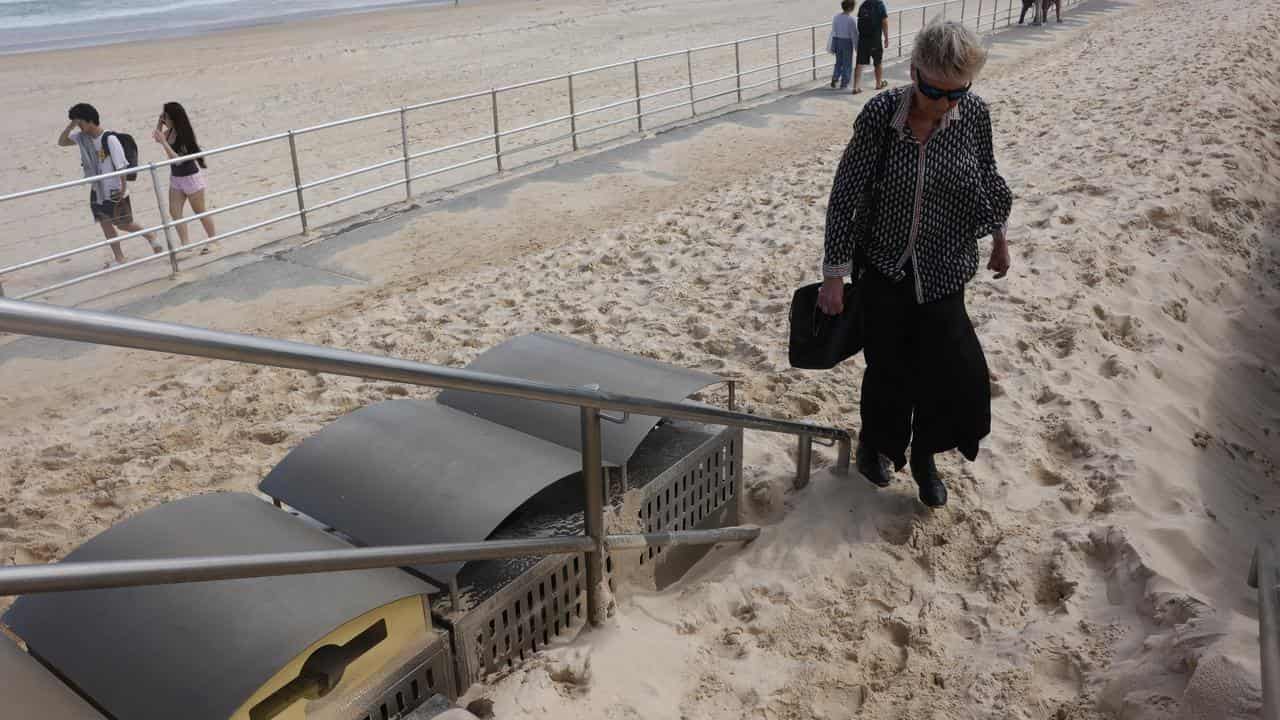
(844,25)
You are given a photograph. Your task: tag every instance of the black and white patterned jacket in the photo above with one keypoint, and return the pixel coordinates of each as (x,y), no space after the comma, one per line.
(930,206)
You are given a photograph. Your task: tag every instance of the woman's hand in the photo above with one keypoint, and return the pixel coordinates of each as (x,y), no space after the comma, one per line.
(999,262)
(831,296)
(158,136)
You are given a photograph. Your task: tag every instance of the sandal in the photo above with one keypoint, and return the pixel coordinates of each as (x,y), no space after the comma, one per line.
(856,91)
(883,84)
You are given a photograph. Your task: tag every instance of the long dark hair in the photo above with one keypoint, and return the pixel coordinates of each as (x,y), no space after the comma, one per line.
(185,137)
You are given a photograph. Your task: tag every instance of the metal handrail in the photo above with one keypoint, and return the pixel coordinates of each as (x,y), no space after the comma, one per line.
(121,331)
(1264,574)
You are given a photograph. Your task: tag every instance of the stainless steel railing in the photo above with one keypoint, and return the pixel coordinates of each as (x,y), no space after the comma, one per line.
(985,15)
(1265,576)
(121,331)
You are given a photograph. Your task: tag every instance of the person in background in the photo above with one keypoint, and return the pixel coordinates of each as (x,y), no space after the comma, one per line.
(916,189)
(844,35)
(186,180)
(108,198)
(873,24)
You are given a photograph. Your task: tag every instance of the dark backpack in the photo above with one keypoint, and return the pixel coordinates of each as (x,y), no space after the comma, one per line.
(871,12)
(130,151)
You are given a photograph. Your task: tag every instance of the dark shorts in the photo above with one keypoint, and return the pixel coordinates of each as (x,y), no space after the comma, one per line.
(868,51)
(118,212)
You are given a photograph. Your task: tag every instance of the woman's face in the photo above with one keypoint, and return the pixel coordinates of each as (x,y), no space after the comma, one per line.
(935,96)
(164,118)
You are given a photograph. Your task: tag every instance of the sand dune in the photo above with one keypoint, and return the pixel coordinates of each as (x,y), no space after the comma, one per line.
(1092,563)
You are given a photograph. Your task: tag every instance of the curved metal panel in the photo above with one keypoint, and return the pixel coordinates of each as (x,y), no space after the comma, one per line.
(30,691)
(410,471)
(564,361)
(197,650)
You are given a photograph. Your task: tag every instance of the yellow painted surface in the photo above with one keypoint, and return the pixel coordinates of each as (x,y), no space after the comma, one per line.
(407,632)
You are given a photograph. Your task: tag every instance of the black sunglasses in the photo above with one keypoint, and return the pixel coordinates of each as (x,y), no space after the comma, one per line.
(934,93)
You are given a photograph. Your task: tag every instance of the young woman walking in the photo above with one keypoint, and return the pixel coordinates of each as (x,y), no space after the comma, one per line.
(186,179)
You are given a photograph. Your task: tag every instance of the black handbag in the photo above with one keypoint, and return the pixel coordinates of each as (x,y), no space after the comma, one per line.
(820,341)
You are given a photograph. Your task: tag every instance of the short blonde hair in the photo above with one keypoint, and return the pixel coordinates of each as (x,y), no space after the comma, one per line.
(947,50)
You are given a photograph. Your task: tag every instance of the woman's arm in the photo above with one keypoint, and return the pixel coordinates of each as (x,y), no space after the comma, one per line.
(159,137)
(994,186)
(856,167)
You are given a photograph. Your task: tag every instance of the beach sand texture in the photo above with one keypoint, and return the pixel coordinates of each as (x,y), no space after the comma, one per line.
(252,83)
(1091,563)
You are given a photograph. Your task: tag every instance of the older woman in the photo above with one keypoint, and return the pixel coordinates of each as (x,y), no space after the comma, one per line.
(915,191)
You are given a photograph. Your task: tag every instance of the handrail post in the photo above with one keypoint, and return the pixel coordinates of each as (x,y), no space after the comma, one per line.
(497,141)
(1008,21)
(977,23)
(804,460)
(813,41)
(693,98)
(737,67)
(593,514)
(635,73)
(164,219)
(573,116)
(1263,576)
(843,452)
(995,14)
(923,17)
(404,145)
(733,393)
(899,33)
(777,56)
(963,6)
(297,182)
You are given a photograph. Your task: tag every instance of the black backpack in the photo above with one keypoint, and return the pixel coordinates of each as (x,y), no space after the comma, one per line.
(130,148)
(870,12)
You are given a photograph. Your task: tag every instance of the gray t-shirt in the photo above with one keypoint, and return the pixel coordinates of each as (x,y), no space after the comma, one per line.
(95,160)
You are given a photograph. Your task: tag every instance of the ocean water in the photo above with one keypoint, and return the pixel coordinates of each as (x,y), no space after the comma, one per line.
(28,25)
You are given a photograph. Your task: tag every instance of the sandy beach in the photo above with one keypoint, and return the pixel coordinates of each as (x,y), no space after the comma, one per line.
(1091,563)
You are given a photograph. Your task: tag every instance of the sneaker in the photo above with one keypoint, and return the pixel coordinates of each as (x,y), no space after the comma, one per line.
(833,84)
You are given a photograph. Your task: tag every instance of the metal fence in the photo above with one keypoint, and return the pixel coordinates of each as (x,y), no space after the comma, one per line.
(575,109)
(123,331)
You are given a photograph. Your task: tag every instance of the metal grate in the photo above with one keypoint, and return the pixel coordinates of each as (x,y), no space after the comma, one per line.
(433,676)
(701,491)
(546,602)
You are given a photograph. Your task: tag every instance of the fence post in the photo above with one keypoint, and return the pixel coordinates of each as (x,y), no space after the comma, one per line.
(813,41)
(593,513)
(777,56)
(573,116)
(995,14)
(1008,21)
(977,24)
(693,98)
(404,144)
(635,73)
(737,68)
(297,182)
(963,6)
(497,141)
(164,219)
(803,459)
(923,18)
(899,33)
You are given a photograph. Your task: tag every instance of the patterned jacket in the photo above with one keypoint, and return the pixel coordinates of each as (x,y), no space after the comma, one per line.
(929,206)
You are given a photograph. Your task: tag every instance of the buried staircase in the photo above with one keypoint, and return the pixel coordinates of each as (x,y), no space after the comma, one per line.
(401,566)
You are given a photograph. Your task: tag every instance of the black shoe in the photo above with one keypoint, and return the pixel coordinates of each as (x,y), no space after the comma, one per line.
(873,466)
(833,84)
(932,492)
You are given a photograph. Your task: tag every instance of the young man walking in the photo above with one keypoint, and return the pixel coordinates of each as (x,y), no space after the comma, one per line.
(108,198)
(873,23)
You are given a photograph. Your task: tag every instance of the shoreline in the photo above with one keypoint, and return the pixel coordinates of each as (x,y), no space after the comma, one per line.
(200,29)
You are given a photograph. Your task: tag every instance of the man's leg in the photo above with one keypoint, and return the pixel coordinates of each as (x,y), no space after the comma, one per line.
(109,231)
(857,77)
(879,73)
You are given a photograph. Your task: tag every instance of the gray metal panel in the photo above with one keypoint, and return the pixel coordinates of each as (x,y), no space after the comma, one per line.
(563,361)
(410,471)
(30,691)
(197,650)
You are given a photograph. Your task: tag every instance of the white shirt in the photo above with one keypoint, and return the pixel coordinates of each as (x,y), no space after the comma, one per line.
(844,26)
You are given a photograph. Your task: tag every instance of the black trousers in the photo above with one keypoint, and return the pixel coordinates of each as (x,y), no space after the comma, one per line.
(927,383)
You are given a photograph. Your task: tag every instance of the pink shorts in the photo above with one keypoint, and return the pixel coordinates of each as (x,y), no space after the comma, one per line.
(187,184)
